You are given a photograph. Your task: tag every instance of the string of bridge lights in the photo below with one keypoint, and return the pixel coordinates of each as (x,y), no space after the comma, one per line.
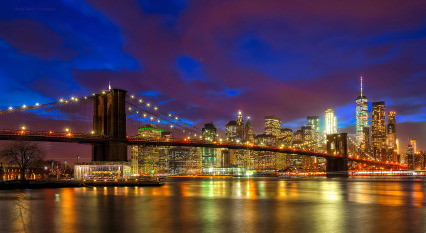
(156,113)
(37,105)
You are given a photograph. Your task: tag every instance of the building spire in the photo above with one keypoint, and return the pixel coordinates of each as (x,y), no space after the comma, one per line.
(109,85)
(361,85)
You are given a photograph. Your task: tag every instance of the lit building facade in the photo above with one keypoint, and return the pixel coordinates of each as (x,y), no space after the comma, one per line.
(286,137)
(209,133)
(240,127)
(249,136)
(146,159)
(330,122)
(314,123)
(272,126)
(378,130)
(361,118)
(391,130)
(413,143)
(307,137)
(231,131)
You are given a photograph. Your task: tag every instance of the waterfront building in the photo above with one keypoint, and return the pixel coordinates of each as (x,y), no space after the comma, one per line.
(209,133)
(378,129)
(184,160)
(146,159)
(272,126)
(231,131)
(240,127)
(330,122)
(361,116)
(249,136)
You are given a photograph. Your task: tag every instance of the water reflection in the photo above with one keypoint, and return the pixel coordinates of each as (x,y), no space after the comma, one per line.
(221,205)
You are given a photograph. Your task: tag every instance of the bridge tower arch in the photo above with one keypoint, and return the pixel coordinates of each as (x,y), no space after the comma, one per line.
(337,144)
(109,120)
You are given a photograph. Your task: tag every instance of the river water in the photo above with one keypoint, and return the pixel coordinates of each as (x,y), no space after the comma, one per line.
(222,205)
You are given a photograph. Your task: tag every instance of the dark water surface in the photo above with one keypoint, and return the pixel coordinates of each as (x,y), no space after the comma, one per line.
(222,205)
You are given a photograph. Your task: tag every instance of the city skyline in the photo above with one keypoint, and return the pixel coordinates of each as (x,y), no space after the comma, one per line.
(245,61)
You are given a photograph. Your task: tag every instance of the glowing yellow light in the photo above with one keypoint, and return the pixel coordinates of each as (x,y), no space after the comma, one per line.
(23,127)
(103,92)
(158,121)
(170,115)
(171,126)
(140,101)
(37,104)
(67,129)
(130,109)
(152,118)
(92,132)
(10,108)
(148,104)
(155,108)
(176,118)
(144,115)
(132,96)
(24,106)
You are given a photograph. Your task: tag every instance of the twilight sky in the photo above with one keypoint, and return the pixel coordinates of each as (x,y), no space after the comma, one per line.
(205,60)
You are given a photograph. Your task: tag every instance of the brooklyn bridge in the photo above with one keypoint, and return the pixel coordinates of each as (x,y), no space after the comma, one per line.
(109,139)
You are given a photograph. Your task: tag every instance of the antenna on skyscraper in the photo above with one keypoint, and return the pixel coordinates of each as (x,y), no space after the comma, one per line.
(109,86)
(361,85)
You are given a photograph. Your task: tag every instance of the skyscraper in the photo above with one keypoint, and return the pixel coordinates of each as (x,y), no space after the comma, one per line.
(209,132)
(231,131)
(240,126)
(378,130)
(146,159)
(361,116)
(391,128)
(330,122)
(413,143)
(314,123)
(208,154)
(272,126)
(249,131)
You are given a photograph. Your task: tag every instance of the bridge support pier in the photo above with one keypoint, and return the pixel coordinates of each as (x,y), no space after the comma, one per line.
(337,166)
(109,120)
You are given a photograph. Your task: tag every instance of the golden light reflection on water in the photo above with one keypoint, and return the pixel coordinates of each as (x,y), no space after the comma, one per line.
(67,211)
(214,205)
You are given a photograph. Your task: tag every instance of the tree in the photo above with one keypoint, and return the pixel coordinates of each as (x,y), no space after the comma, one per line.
(25,154)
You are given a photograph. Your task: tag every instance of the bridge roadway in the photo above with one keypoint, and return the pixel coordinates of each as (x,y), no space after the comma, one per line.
(70,137)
